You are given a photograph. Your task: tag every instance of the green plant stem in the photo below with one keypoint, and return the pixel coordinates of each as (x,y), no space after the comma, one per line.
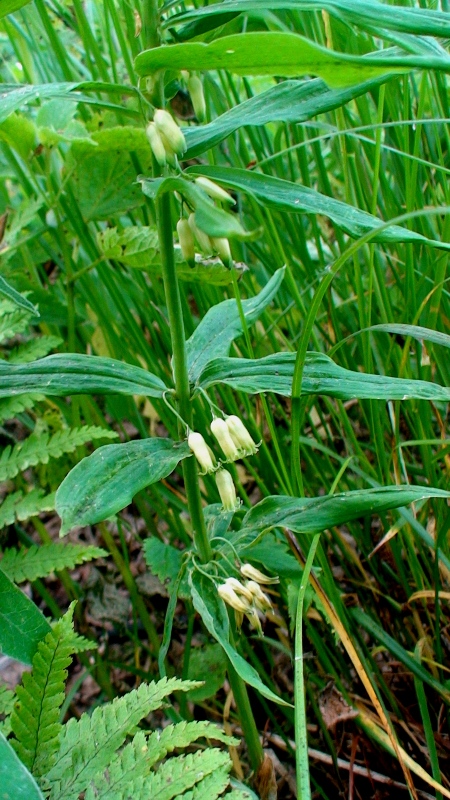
(248,724)
(301,733)
(176,324)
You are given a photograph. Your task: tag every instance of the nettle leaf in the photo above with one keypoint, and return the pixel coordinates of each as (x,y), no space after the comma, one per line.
(214,614)
(321,375)
(315,514)
(15,780)
(106,481)
(22,625)
(63,375)
(208,217)
(283,195)
(222,324)
(421,21)
(41,560)
(281,53)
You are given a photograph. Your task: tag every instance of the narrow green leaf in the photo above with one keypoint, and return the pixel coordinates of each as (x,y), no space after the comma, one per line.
(22,625)
(64,375)
(315,514)
(321,375)
(106,481)
(18,299)
(283,195)
(15,780)
(214,614)
(281,53)
(222,324)
(415,331)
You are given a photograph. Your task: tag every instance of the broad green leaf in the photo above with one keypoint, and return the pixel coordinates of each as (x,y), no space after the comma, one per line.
(288,101)
(22,625)
(283,195)
(63,375)
(321,376)
(315,514)
(165,561)
(9,6)
(207,664)
(399,652)
(280,53)
(208,217)
(16,782)
(18,299)
(13,96)
(222,324)
(105,184)
(106,481)
(214,614)
(421,21)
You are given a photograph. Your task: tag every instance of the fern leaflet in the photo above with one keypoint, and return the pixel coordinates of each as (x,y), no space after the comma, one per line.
(87,744)
(39,448)
(211,787)
(33,349)
(35,719)
(12,406)
(137,758)
(179,774)
(12,322)
(38,561)
(7,697)
(23,506)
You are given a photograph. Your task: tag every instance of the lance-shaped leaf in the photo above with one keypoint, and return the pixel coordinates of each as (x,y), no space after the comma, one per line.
(282,53)
(22,625)
(320,376)
(208,217)
(288,101)
(16,782)
(315,514)
(213,612)
(421,21)
(106,481)
(295,198)
(64,375)
(222,324)
(18,299)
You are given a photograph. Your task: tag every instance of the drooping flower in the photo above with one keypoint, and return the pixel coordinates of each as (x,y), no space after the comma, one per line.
(254,574)
(214,191)
(219,429)
(201,451)
(227,491)
(170,132)
(240,435)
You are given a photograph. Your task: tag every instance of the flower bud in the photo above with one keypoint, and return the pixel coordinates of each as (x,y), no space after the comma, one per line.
(219,429)
(226,490)
(195,89)
(186,239)
(239,588)
(222,247)
(254,574)
(240,435)
(260,599)
(232,599)
(214,191)
(156,144)
(203,240)
(201,451)
(169,131)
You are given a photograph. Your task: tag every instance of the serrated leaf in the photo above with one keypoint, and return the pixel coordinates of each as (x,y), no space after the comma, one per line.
(134,246)
(63,375)
(165,561)
(13,323)
(34,349)
(22,506)
(22,625)
(283,195)
(105,482)
(181,773)
(15,780)
(7,698)
(321,375)
(42,560)
(210,787)
(222,324)
(12,406)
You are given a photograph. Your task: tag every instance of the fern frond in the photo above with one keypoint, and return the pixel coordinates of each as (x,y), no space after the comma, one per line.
(211,787)
(7,698)
(138,757)
(88,744)
(23,506)
(42,560)
(33,349)
(12,406)
(38,449)
(12,322)
(179,774)
(35,719)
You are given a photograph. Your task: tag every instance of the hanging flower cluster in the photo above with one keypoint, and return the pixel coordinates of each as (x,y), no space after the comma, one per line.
(166,138)
(189,234)
(248,599)
(235,443)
